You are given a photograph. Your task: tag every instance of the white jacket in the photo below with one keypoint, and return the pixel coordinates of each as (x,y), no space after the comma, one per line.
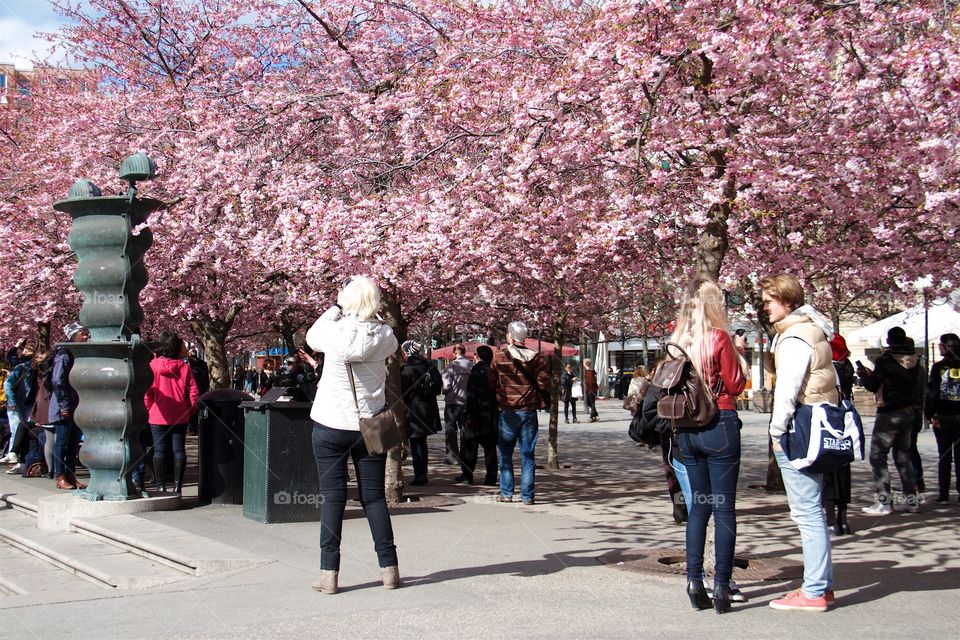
(366,345)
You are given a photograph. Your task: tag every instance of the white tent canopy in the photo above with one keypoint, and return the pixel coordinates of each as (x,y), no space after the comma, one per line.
(942,318)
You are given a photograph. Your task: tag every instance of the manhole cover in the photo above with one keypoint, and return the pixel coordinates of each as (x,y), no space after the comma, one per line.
(673,562)
(426,502)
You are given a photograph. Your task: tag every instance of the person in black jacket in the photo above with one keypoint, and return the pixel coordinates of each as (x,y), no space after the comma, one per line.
(567,380)
(836,495)
(483,416)
(943,411)
(201,374)
(894,380)
(420,383)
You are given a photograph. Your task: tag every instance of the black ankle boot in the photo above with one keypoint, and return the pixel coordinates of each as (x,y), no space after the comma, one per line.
(160,473)
(721,598)
(698,594)
(179,467)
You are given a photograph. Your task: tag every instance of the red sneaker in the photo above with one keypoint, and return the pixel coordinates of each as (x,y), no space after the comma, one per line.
(831,599)
(798,601)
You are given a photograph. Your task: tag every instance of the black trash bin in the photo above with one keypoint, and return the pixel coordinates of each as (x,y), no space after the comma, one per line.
(280,474)
(220,442)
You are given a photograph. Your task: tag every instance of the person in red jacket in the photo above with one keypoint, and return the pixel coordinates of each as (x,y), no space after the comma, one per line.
(711,455)
(170,401)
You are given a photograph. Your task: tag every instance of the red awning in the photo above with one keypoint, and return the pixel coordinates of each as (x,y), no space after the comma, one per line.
(546,348)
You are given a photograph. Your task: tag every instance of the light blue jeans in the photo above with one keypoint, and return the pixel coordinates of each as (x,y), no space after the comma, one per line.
(804,496)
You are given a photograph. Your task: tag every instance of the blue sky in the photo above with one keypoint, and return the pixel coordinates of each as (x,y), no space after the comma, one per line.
(19,22)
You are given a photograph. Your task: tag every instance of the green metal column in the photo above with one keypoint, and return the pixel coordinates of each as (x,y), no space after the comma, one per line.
(111,372)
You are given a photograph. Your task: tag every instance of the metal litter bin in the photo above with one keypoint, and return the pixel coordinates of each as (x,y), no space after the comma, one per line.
(279,472)
(220,440)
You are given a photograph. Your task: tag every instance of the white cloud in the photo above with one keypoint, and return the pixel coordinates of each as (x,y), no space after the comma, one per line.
(19,43)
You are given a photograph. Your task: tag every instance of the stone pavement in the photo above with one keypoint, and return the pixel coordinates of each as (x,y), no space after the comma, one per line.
(479,568)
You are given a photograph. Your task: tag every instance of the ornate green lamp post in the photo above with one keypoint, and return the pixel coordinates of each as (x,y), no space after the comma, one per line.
(112,371)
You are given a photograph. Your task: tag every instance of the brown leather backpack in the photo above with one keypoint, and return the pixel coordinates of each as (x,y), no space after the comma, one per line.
(685,400)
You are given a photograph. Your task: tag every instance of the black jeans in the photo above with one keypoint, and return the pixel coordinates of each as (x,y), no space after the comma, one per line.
(892,430)
(569,402)
(914,452)
(331,447)
(469,447)
(948,450)
(592,405)
(167,438)
(454,419)
(418,455)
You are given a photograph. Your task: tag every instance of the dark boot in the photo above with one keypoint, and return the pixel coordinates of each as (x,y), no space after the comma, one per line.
(179,466)
(159,473)
(698,595)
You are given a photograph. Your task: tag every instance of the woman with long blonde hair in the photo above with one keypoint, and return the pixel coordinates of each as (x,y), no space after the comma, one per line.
(711,455)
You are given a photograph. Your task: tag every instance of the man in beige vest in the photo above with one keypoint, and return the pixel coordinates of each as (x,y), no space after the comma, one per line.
(805,375)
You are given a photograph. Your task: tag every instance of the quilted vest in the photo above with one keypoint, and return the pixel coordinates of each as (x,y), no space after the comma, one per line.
(820,383)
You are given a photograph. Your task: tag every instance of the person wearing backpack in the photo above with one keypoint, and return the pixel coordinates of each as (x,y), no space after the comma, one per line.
(420,383)
(803,360)
(943,411)
(710,453)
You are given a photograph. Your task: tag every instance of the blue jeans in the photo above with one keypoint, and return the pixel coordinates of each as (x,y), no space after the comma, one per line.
(804,494)
(166,438)
(331,448)
(518,425)
(712,461)
(66,446)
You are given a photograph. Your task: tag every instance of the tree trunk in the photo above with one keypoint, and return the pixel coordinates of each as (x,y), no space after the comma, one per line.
(713,243)
(553,454)
(212,333)
(286,330)
(393,481)
(43,337)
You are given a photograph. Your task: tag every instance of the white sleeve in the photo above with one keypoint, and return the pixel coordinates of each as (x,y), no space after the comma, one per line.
(317,334)
(794,357)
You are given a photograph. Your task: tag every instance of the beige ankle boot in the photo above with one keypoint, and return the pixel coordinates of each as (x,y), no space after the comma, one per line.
(327,582)
(390,576)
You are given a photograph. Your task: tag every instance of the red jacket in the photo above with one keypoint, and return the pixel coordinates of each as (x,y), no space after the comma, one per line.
(723,361)
(172,397)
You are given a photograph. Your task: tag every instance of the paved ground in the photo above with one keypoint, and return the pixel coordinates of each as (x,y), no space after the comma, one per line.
(485,569)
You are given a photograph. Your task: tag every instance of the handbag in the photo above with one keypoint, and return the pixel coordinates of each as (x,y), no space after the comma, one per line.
(380,432)
(685,400)
(823,437)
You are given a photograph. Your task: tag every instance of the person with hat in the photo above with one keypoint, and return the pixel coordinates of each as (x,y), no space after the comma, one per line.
(837,483)
(894,380)
(519,378)
(420,383)
(63,404)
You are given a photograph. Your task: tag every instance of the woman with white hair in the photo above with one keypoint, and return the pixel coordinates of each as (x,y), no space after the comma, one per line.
(354,342)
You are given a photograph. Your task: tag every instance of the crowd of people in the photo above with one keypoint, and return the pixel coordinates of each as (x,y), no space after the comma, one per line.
(491,401)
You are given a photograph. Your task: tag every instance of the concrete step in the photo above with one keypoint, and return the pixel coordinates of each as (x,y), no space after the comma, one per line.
(84,556)
(161,543)
(22,573)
